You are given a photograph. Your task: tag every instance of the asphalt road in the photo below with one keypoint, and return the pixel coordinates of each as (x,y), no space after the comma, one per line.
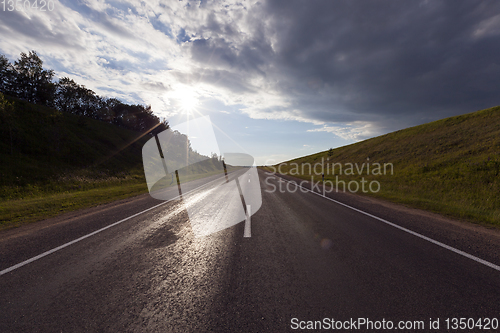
(308,258)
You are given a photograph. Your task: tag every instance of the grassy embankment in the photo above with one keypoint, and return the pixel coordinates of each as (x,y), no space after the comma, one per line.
(53,162)
(450,166)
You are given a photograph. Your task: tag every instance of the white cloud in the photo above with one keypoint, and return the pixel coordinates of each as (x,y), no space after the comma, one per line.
(286,115)
(488,27)
(355,131)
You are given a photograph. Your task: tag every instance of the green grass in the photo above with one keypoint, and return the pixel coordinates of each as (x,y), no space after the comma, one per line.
(16,212)
(450,166)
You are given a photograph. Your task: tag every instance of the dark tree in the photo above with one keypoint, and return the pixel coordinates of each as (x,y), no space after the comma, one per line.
(106,109)
(6,119)
(74,98)
(6,75)
(33,83)
(67,95)
(156,125)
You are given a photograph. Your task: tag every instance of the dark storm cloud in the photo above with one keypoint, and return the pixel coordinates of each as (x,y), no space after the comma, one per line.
(233,82)
(340,61)
(220,53)
(390,58)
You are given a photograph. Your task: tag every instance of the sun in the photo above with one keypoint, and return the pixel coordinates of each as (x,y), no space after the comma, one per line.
(187,99)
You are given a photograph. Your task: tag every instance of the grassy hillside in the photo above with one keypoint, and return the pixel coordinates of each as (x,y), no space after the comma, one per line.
(450,166)
(54,162)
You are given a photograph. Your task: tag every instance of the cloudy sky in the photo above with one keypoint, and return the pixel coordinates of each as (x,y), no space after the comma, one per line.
(279,79)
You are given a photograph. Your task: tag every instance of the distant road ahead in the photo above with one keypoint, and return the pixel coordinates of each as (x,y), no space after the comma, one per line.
(307,258)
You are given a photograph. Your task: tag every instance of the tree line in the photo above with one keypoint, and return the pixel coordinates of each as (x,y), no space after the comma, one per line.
(28,80)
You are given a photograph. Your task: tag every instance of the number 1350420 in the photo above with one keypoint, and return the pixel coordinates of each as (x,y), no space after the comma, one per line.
(26,5)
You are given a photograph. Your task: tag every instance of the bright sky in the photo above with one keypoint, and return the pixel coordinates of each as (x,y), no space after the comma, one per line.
(279,79)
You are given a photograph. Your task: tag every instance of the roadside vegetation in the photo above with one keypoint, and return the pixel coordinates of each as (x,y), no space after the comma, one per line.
(450,166)
(64,147)
(54,162)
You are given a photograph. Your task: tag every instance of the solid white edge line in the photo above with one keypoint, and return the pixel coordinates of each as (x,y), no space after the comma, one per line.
(460,252)
(46,253)
(248,230)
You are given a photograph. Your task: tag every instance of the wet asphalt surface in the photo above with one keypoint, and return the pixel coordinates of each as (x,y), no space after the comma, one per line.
(308,258)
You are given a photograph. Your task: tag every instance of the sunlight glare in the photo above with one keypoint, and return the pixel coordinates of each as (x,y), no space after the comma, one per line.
(187,100)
